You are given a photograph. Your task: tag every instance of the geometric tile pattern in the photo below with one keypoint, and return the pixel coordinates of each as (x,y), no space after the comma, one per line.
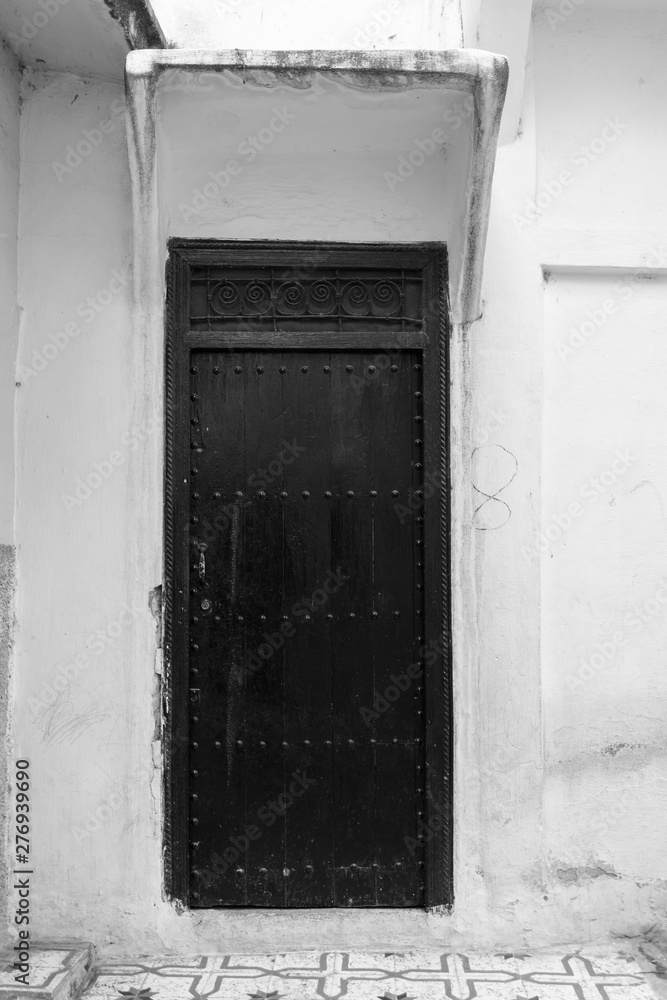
(409,975)
(53,973)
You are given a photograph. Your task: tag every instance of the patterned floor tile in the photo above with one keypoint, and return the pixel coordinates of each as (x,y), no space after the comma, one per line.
(104,987)
(604,963)
(384,961)
(417,960)
(106,968)
(47,968)
(410,975)
(105,991)
(641,992)
(197,965)
(266,961)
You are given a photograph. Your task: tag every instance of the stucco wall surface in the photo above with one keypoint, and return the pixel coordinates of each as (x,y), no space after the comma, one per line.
(82,703)
(9,201)
(560,785)
(574,359)
(298,24)
(9,207)
(326,163)
(602,540)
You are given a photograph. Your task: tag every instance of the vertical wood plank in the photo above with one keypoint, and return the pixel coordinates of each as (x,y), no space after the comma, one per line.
(343,841)
(263,586)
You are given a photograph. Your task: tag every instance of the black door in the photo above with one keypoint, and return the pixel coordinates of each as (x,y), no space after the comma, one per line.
(307,599)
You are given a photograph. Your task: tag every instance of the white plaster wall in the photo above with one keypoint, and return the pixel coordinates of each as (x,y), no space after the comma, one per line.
(302,24)
(591,771)
(9,201)
(596,68)
(84,725)
(605,580)
(65,36)
(602,623)
(308,181)
(9,207)
(541,856)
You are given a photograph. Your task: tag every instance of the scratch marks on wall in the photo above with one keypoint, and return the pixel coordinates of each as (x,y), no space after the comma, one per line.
(68,717)
(493,469)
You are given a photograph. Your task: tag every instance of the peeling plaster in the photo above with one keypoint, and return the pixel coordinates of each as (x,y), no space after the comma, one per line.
(616,748)
(585,873)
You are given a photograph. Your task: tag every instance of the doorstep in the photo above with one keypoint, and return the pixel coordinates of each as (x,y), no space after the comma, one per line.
(56,972)
(408,975)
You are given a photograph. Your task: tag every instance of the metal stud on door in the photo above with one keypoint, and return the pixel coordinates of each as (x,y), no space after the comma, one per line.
(310,751)
(310,603)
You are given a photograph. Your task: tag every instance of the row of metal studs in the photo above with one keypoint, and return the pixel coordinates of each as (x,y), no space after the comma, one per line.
(305,369)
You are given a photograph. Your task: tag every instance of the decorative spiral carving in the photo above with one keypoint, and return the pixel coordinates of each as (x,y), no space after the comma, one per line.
(258,297)
(290,298)
(322,298)
(225,299)
(386,298)
(355,298)
(267,298)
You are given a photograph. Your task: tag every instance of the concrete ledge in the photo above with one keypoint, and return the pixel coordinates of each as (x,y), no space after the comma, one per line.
(57,972)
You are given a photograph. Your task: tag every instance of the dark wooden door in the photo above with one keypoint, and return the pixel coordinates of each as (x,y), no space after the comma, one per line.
(306,606)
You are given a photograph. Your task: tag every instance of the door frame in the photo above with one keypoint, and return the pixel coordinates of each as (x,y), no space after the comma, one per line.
(433,340)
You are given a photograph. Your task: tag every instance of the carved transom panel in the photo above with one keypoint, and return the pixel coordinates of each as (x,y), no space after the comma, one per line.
(330,299)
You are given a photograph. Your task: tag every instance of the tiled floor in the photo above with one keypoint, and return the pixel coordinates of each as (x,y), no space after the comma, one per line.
(360,976)
(53,972)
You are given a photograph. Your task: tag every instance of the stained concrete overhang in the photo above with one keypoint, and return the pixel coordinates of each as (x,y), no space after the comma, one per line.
(481,74)
(88,37)
(567,7)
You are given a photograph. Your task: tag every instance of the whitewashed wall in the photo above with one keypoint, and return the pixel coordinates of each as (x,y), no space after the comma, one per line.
(298,24)
(560,798)
(9,190)
(9,199)
(79,687)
